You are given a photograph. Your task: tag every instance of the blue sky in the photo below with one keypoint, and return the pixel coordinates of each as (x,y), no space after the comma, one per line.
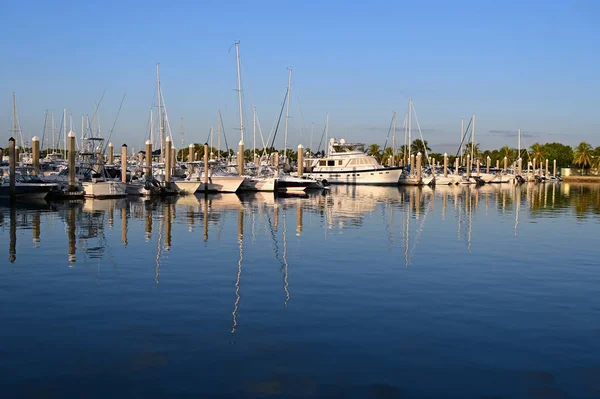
(532,66)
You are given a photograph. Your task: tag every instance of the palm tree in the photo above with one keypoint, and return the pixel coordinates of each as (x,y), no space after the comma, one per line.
(476,151)
(388,152)
(374,151)
(538,153)
(583,155)
(596,158)
(419,146)
(507,152)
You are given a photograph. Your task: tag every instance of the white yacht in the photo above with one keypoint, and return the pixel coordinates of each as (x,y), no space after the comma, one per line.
(347,163)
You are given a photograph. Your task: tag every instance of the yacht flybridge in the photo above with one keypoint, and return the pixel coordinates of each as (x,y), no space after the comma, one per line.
(347,163)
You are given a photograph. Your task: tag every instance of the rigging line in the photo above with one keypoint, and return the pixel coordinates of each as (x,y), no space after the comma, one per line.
(464,137)
(98,106)
(114,123)
(224,135)
(321,141)
(280,114)
(209,134)
(388,135)
(44,131)
(421,134)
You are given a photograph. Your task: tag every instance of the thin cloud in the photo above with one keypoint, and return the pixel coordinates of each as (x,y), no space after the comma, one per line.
(513,133)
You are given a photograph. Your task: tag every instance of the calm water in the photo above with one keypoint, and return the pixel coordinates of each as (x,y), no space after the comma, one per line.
(358,292)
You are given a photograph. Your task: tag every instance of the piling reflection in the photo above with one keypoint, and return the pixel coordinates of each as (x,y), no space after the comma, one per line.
(403,213)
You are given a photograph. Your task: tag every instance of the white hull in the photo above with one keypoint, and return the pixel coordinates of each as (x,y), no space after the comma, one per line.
(259,184)
(223,184)
(442,180)
(383,176)
(409,181)
(186,186)
(104,189)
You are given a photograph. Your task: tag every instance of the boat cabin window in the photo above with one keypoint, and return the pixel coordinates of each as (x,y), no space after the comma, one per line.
(340,162)
(330,163)
(322,163)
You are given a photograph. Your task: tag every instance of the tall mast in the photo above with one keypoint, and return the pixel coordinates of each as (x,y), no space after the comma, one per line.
(65,131)
(183,139)
(53,132)
(312,133)
(472,139)
(327,132)
(239,90)
(409,127)
(219,136)
(254,132)
(14,101)
(394,138)
(160,124)
(519,144)
(462,150)
(152,127)
(287,113)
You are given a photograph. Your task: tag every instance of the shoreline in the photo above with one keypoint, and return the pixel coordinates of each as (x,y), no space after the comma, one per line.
(581,179)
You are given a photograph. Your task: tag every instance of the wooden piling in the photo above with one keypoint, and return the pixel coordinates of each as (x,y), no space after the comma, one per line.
(547,168)
(111,154)
(12,168)
(168,154)
(412,164)
(148,169)
(478,163)
(206,167)
(505,165)
(241,159)
(35,154)
(191,157)
(124,163)
(71,161)
(554,170)
(445,164)
(487,165)
(468,166)
(300,160)
(456,166)
(419,171)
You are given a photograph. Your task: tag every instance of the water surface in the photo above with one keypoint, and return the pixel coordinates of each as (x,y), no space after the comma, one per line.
(357,292)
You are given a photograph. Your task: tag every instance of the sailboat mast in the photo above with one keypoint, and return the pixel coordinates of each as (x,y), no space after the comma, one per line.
(519,144)
(394,138)
(15,130)
(239,90)
(312,133)
(254,131)
(462,150)
(160,124)
(409,127)
(183,139)
(327,132)
(65,131)
(152,126)
(53,132)
(287,114)
(219,136)
(472,139)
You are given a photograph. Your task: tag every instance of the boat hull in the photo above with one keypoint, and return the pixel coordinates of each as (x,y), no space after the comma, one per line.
(384,176)
(105,189)
(186,186)
(259,184)
(33,191)
(222,184)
